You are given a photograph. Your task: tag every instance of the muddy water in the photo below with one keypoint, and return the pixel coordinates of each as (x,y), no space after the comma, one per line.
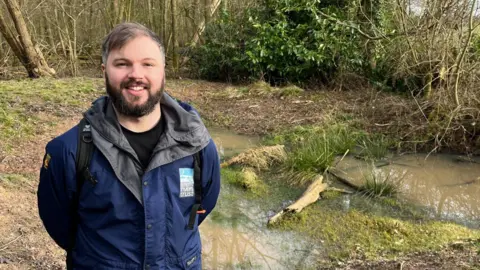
(230,144)
(448,187)
(235,235)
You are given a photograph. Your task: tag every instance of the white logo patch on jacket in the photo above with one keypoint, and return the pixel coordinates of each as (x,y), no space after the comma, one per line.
(186,183)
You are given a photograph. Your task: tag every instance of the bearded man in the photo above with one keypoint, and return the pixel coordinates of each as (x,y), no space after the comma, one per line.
(151,177)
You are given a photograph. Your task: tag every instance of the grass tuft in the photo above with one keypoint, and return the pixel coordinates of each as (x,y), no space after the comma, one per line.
(374,147)
(381,185)
(314,150)
(262,89)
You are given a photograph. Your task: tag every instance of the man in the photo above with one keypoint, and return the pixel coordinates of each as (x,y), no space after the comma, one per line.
(134,210)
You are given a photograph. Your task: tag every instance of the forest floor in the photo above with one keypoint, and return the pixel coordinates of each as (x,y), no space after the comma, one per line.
(33,112)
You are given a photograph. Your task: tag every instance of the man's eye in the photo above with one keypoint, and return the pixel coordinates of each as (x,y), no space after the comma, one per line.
(121,64)
(149,65)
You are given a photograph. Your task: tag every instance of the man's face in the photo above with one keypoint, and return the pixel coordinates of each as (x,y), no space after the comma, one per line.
(135,76)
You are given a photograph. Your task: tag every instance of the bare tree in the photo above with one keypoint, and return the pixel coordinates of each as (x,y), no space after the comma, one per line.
(21,42)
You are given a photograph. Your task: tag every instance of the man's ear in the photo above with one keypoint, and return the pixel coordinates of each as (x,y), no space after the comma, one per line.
(103,70)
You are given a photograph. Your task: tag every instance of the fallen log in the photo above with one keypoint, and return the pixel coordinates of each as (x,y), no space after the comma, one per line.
(342,177)
(309,196)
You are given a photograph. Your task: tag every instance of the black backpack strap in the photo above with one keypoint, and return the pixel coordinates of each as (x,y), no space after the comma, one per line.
(82,161)
(197,184)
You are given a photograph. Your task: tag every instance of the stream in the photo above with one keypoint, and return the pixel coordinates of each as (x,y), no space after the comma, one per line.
(447,185)
(235,235)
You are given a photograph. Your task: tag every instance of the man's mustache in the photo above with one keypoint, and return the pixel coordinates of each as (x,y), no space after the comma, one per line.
(133,82)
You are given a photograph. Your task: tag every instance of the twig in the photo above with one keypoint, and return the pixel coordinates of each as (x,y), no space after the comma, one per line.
(346,152)
(7,244)
(462,55)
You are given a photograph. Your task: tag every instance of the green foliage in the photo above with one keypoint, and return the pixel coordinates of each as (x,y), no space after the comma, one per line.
(294,42)
(475,47)
(282,41)
(222,56)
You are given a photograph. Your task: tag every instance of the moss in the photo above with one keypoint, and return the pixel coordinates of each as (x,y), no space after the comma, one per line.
(245,178)
(330,194)
(352,234)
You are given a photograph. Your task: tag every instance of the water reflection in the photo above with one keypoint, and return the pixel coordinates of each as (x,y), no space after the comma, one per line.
(447,187)
(235,237)
(229,143)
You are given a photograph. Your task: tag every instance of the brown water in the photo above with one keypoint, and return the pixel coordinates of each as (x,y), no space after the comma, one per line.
(451,189)
(235,236)
(229,144)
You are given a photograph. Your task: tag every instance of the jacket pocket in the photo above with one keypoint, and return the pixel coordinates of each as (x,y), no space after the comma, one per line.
(190,261)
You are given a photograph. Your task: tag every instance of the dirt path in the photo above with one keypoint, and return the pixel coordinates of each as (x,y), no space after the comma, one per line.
(24,244)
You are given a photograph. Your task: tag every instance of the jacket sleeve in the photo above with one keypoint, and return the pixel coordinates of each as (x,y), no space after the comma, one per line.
(55,191)
(211,174)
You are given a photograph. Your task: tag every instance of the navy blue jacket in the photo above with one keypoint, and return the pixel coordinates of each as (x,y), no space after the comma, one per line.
(131,219)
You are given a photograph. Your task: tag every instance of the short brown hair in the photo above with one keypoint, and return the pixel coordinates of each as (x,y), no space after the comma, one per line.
(124,32)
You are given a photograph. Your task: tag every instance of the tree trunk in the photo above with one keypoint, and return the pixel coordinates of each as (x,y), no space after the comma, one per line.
(369,18)
(12,41)
(60,35)
(50,37)
(25,50)
(202,24)
(206,10)
(150,14)
(116,12)
(174,36)
(164,24)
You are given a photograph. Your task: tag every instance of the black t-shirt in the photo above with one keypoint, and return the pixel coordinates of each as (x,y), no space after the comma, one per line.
(144,142)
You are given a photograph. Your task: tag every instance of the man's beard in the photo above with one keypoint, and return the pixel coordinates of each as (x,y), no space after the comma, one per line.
(123,106)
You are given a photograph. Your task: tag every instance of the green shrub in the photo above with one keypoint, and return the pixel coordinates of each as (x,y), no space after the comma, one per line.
(281,41)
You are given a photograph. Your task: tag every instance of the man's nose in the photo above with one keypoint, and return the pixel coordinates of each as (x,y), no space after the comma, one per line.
(136,72)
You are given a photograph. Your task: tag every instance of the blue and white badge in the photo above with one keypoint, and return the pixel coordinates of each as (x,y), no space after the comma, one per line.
(186,183)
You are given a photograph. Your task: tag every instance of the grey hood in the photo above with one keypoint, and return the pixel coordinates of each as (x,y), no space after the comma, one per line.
(184,135)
